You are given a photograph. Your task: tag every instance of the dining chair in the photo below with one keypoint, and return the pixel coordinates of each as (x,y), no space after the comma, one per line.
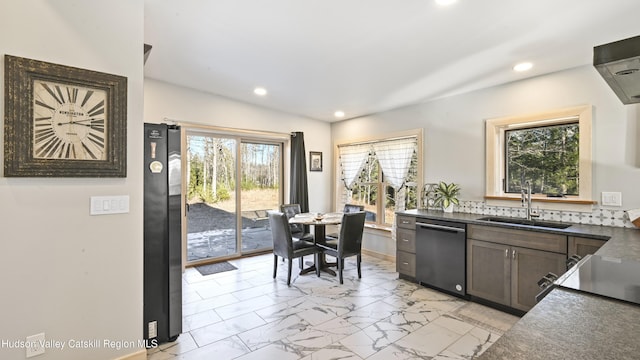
(348,208)
(284,246)
(297,230)
(349,241)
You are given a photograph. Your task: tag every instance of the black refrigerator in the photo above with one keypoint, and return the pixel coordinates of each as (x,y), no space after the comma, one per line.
(162,234)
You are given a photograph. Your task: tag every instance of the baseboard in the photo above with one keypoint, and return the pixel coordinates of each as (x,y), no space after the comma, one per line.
(138,355)
(379,255)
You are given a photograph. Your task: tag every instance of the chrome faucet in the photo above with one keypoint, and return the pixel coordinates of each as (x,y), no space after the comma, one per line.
(526,197)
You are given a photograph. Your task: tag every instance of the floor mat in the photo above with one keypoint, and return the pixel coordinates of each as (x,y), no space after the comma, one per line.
(215,268)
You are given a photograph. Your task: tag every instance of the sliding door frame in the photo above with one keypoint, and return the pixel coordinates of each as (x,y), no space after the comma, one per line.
(241,136)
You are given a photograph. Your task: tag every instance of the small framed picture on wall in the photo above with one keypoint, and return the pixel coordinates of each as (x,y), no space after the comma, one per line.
(315,161)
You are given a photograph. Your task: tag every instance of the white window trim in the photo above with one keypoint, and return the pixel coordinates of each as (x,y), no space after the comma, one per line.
(495,148)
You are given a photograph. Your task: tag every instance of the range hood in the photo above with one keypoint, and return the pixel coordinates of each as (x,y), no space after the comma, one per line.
(619,64)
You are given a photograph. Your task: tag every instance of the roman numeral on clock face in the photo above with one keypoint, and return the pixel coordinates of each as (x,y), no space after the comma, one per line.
(47,143)
(97,110)
(38,102)
(86,97)
(59,100)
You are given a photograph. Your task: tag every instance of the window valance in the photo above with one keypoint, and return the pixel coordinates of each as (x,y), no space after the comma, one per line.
(394,157)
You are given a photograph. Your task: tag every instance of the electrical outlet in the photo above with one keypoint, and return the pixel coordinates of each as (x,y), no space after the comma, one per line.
(35,345)
(153,329)
(611,198)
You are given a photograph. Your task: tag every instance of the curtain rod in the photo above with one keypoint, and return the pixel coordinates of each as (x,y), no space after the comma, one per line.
(379,141)
(203,126)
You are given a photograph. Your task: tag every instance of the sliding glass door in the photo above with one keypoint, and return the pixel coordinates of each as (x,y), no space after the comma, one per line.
(211,206)
(231,184)
(260,192)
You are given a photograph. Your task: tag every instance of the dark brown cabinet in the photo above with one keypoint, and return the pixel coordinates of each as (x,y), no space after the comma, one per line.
(489,271)
(504,265)
(528,266)
(584,246)
(406,246)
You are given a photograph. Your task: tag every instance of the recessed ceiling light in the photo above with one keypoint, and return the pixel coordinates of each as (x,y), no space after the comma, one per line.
(445,2)
(523,66)
(260,91)
(339,114)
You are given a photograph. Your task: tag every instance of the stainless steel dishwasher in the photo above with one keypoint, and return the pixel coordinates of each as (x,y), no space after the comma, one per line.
(441,255)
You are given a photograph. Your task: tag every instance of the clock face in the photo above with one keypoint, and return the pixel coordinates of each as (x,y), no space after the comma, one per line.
(69,122)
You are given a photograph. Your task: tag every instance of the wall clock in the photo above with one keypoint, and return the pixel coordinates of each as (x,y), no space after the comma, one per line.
(62,121)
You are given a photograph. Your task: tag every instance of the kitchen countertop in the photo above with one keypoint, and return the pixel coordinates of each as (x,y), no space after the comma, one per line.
(571,325)
(621,242)
(568,324)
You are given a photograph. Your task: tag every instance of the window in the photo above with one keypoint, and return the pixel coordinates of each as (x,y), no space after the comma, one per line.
(547,156)
(367,188)
(551,150)
(380,174)
(371,182)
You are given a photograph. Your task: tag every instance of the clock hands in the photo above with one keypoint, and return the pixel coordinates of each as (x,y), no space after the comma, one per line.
(78,122)
(75,123)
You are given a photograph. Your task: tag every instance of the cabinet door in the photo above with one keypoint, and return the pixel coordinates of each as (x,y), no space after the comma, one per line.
(527,267)
(584,246)
(488,271)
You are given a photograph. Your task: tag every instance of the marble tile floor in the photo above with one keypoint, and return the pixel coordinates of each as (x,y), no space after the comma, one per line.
(246,314)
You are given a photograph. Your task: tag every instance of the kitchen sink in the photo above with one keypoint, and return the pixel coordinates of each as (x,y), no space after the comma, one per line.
(517,221)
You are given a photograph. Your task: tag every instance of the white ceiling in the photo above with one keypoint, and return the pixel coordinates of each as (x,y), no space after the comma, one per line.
(366,56)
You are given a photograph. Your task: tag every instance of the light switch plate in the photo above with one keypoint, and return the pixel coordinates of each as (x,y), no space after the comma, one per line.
(104,205)
(610,198)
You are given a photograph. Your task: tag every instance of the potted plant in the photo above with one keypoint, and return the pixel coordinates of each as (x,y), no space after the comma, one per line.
(447,195)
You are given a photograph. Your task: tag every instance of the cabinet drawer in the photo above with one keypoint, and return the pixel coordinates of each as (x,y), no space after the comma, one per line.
(406,222)
(406,240)
(406,263)
(522,238)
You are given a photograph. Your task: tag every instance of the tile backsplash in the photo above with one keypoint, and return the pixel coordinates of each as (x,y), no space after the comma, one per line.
(606,217)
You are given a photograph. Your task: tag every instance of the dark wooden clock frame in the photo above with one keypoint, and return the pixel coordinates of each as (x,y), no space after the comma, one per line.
(20,74)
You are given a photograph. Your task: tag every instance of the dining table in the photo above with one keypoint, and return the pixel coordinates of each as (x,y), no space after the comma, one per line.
(319,222)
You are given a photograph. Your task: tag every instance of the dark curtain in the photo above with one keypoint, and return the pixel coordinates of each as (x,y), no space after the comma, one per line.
(299,193)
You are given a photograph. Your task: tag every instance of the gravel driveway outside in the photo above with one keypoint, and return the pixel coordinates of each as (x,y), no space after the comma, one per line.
(203,217)
(211,232)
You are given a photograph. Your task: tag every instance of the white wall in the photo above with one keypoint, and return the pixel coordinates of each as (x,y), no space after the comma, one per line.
(64,272)
(454,129)
(166,101)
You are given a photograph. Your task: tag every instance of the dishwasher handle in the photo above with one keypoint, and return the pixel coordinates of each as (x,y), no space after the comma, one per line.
(441,227)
